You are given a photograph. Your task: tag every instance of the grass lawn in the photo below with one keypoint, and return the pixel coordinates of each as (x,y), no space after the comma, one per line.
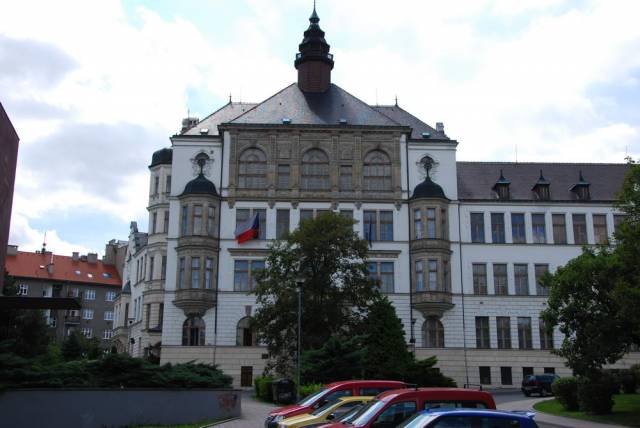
(626,411)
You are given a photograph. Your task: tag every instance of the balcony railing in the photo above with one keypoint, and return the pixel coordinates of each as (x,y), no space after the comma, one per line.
(72,319)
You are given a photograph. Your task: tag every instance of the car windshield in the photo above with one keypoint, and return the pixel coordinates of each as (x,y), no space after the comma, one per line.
(308,401)
(417,420)
(350,414)
(324,408)
(367,412)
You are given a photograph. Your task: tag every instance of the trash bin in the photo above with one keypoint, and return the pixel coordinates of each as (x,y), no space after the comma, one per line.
(284,391)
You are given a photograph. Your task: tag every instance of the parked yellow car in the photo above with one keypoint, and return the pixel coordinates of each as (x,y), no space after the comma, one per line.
(331,411)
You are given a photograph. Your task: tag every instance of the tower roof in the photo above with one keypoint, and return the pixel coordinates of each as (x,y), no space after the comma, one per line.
(200,186)
(162,157)
(428,189)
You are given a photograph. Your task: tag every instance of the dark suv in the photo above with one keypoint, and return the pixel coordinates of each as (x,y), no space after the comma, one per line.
(538,384)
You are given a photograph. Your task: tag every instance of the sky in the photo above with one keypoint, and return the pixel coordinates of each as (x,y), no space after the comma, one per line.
(94,87)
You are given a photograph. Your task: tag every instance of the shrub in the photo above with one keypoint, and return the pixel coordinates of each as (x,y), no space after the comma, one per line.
(310,388)
(595,395)
(628,381)
(263,387)
(423,373)
(566,391)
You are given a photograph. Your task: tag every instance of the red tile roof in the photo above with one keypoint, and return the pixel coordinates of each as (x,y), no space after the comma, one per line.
(34,265)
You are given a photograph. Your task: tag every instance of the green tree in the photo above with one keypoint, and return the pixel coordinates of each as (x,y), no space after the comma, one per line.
(336,291)
(72,347)
(341,357)
(387,355)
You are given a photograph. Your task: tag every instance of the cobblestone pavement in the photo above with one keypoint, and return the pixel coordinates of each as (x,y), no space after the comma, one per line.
(254,413)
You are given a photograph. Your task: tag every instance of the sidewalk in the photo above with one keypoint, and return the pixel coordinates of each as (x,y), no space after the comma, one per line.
(254,413)
(548,419)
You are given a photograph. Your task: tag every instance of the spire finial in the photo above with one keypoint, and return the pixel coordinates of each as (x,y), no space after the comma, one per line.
(501,175)
(396,100)
(314,19)
(229,97)
(541,176)
(581,178)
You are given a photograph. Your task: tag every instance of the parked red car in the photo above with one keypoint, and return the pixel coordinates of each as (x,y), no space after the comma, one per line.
(331,392)
(391,408)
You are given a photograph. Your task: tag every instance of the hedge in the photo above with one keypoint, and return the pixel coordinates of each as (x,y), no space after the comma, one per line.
(262,385)
(309,389)
(596,395)
(566,391)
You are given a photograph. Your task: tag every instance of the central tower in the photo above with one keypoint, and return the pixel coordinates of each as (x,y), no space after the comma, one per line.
(314,62)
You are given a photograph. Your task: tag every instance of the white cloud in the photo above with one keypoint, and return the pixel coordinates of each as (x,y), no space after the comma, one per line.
(30,239)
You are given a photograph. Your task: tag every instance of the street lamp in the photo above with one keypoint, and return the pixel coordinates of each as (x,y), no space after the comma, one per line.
(299,282)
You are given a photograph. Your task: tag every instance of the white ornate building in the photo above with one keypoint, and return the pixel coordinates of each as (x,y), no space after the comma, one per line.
(457,246)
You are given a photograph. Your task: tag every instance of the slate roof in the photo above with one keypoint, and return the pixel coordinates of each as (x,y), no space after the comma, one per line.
(200,186)
(224,114)
(403,117)
(34,265)
(476,179)
(162,157)
(428,189)
(306,108)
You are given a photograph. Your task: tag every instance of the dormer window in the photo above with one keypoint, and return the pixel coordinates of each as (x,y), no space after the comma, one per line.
(502,187)
(581,189)
(541,190)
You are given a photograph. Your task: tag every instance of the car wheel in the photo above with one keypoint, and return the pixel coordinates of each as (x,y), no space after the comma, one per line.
(527,394)
(543,392)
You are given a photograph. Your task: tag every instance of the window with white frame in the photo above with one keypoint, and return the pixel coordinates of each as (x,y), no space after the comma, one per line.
(346,177)
(23,290)
(244,214)
(540,271)
(108,315)
(431,223)
(110,296)
(433,275)
(377,172)
(87,332)
(107,334)
(419,276)
(208,273)
(90,294)
(417,223)
(539,228)
(87,314)
(378,225)
(521,276)
(600,228)
(315,170)
(252,169)
(245,273)
(382,274)
(479,278)
(500,281)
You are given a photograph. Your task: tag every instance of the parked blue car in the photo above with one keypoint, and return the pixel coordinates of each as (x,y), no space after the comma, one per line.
(470,418)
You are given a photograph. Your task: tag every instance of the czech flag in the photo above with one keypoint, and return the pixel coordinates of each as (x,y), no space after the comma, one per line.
(248,230)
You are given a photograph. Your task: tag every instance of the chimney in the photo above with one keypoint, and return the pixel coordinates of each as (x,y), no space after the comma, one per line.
(12,250)
(75,256)
(440,127)
(188,122)
(50,268)
(92,258)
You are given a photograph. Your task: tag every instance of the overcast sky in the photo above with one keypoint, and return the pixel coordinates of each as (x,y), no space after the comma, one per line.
(94,87)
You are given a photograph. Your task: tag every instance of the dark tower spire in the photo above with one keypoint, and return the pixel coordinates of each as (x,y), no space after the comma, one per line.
(314,62)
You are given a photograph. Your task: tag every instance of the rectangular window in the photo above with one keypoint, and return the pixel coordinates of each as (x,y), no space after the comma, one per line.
(500,281)
(527,371)
(108,315)
(156,185)
(419,276)
(518,234)
(505,376)
(386,225)
(284,172)
(431,223)
(497,228)
(306,215)
(600,228)
(256,267)
(163,270)
(244,214)
(524,333)
(347,213)
(241,275)
(167,185)
(90,294)
(433,275)
(559,229)
(382,274)
(197,219)
(550,370)
(479,278)
(539,228)
(370,227)
(110,296)
(87,314)
(195,272)
(503,328)
(482,333)
(23,290)
(160,315)
(541,270)
(107,334)
(154,222)
(546,335)
(521,274)
(208,273)
(181,268)
(477,227)
(417,223)
(211,216)
(617,221)
(151,260)
(346,177)
(485,375)
(282,223)
(165,222)
(87,332)
(579,229)
(184,225)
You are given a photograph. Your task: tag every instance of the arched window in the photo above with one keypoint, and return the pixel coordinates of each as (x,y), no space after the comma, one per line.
(315,170)
(193,332)
(252,173)
(377,171)
(245,335)
(432,333)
